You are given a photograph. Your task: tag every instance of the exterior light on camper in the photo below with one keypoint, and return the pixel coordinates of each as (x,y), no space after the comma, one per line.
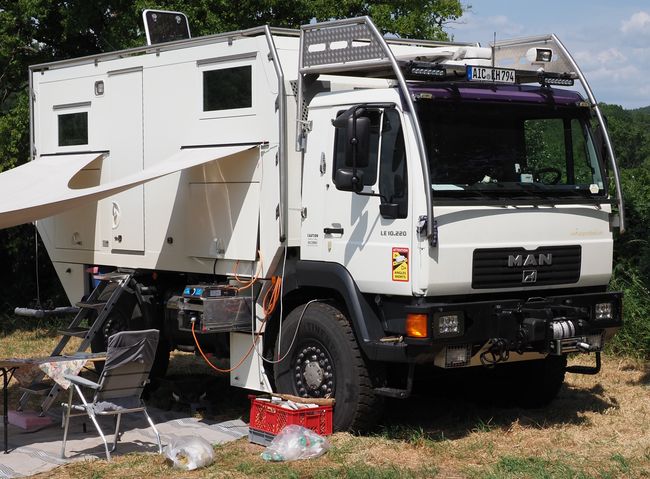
(539,55)
(99,88)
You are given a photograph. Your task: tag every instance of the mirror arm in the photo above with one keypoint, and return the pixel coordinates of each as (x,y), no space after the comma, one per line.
(377,195)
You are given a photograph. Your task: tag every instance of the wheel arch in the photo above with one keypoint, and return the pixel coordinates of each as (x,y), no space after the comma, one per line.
(308,280)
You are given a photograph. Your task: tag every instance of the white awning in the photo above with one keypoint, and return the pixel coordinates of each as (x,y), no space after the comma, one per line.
(45,187)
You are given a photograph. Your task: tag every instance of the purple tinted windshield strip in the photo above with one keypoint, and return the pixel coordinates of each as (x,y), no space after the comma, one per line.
(524,94)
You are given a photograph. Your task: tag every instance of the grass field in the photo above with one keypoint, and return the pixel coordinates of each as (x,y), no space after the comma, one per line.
(598,427)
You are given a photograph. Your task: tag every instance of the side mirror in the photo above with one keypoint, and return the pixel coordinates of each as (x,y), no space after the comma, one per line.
(358,136)
(347,179)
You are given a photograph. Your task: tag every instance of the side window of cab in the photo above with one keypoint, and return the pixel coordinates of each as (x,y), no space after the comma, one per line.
(393,179)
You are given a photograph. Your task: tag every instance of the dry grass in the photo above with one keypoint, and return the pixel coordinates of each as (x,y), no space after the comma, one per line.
(599,426)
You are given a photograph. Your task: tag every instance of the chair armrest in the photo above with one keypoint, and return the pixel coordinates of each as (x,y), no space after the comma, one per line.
(79,381)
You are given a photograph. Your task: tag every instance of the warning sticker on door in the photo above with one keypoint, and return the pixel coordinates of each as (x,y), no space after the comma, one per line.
(400,264)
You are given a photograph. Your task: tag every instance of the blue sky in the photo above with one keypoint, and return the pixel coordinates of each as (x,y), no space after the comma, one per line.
(610,40)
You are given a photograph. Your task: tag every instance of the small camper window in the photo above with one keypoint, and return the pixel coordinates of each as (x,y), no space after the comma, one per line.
(227,89)
(73,129)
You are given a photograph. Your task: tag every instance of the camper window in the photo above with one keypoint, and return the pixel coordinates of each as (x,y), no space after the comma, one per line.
(73,129)
(227,88)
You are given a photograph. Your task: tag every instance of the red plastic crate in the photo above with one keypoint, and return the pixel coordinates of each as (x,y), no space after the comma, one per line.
(271,418)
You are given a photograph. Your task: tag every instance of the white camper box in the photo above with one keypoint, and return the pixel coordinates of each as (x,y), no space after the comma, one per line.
(146,117)
(149,109)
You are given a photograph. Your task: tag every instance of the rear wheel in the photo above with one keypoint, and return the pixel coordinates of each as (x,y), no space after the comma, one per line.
(127,315)
(325,361)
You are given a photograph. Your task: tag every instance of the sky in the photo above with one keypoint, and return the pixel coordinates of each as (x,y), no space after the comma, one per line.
(609,39)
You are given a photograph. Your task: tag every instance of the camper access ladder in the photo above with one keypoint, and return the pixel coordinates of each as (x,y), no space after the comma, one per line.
(100,302)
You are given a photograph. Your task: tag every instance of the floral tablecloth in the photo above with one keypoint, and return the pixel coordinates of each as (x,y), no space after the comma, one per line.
(28,370)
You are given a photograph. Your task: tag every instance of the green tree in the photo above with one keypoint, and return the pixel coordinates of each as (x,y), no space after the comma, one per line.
(630,134)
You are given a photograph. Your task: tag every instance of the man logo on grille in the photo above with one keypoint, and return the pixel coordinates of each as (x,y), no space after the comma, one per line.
(541,259)
(529,276)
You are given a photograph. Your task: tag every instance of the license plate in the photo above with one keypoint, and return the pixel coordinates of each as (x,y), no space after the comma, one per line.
(497,75)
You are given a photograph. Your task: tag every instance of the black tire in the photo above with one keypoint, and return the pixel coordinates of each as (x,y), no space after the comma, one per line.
(325,360)
(534,384)
(127,315)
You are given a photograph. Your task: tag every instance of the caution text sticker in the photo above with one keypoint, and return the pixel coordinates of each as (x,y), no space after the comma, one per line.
(400,264)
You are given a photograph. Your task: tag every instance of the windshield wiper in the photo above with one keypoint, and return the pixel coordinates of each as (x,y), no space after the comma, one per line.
(537,191)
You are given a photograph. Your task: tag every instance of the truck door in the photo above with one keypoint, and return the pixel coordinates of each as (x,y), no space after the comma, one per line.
(370,232)
(126,210)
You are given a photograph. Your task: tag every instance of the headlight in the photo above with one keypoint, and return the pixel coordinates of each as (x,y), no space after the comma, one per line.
(448,324)
(604,311)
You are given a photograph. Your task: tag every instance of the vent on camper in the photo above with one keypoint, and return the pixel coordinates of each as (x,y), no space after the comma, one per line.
(162,26)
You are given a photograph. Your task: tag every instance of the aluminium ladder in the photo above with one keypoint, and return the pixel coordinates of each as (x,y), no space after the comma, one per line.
(96,302)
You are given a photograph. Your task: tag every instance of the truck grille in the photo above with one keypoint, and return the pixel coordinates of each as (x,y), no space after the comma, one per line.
(518,267)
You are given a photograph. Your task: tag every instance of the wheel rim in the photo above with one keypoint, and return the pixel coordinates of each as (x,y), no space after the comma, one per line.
(313,370)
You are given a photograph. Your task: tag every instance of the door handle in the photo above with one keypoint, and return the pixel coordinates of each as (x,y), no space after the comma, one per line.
(333,231)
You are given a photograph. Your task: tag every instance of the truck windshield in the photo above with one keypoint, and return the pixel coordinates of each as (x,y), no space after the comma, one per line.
(510,150)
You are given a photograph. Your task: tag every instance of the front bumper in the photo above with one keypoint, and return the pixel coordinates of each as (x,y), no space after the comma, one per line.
(541,326)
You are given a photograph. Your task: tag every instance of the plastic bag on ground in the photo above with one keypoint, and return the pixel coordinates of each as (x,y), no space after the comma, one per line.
(189,453)
(295,442)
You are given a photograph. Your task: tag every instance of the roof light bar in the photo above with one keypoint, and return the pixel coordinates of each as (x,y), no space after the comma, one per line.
(425,70)
(559,79)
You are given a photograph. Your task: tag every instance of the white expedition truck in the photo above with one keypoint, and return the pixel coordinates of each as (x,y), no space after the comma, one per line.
(328,208)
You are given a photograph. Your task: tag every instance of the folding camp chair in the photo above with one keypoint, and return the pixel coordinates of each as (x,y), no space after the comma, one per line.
(129,357)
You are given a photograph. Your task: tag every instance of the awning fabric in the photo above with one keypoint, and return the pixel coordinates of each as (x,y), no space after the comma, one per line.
(40,188)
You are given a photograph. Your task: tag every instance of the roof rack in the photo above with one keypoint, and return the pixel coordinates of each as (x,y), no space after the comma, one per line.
(353,45)
(168,46)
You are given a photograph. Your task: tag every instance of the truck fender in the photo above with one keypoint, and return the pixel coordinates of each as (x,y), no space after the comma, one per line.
(335,277)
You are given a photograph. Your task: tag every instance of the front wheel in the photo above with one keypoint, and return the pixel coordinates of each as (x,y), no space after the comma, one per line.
(325,361)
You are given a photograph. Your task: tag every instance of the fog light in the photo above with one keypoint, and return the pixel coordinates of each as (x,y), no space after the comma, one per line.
(604,311)
(448,324)
(417,325)
(457,356)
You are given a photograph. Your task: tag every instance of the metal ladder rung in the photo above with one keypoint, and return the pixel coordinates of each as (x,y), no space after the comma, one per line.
(97,305)
(40,388)
(78,332)
(111,276)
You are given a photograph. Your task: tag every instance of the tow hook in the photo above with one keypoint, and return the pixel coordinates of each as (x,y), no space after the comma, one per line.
(583,347)
(590,370)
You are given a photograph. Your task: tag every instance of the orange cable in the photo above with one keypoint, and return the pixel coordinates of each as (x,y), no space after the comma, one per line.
(250,350)
(268,305)
(254,278)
